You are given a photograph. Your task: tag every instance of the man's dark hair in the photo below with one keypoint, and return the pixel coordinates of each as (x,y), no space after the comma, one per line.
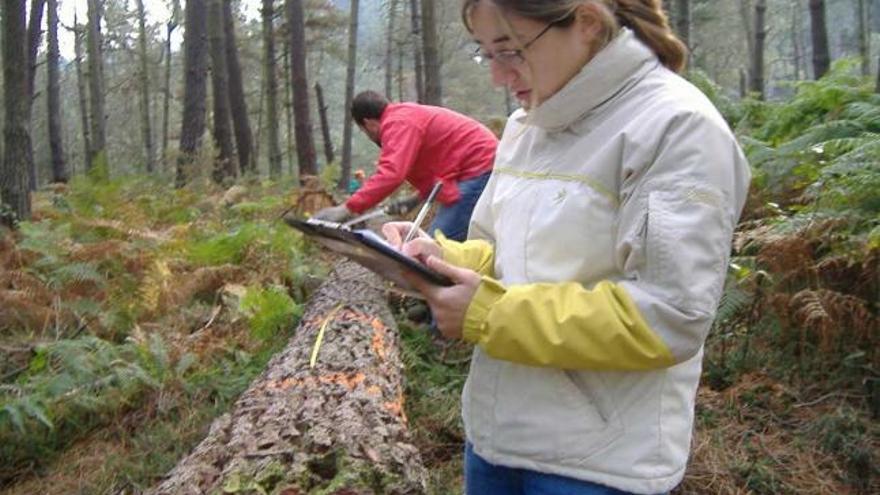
(367,105)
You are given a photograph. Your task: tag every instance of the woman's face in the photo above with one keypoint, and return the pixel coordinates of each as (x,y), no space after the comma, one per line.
(551,59)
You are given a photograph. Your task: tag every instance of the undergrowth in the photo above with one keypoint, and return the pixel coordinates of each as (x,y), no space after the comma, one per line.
(130,316)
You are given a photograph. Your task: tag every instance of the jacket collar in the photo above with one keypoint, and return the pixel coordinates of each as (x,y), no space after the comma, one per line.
(621,63)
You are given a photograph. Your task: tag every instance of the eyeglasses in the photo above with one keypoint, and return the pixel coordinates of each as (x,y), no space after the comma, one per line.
(508,58)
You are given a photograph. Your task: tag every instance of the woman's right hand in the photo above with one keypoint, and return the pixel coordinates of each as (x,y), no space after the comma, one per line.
(420,247)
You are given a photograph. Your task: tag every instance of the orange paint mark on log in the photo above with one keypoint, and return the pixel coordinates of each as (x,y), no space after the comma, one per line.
(378,342)
(395,407)
(374,390)
(347,380)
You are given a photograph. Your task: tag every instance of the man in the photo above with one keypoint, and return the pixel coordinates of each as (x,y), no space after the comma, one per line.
(422,145)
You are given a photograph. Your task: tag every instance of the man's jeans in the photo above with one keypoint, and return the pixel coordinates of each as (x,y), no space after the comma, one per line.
(483,478)
(453,220)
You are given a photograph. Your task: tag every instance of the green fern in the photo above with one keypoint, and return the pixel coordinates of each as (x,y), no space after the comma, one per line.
(269,311)
(813,103)
(227,247)
(733,301)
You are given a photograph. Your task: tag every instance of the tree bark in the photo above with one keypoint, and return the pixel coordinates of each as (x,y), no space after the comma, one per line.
(400,78)
(170,26)
(271,84)
(78,33)
(819,34)
(864,13)
(34,34)
(683,21)
(14,190)
(288,109)
(877,86)
(757,72)
(345,176)
(389,50)
(305,142)
(299,429)
(244,140)
(195,87)
(98,152)
(224,164)
(797,51)
(56,139)
(325,124)
(419,69)
(146,127)
(745,12)
(431,46)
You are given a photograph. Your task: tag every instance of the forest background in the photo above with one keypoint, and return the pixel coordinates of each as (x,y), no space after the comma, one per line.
(145,281)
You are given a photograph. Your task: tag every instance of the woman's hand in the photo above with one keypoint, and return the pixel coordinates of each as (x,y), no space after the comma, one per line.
(395,232)
(420,247)
(448,304)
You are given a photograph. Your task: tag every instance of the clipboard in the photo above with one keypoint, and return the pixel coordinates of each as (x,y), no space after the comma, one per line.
(369,250)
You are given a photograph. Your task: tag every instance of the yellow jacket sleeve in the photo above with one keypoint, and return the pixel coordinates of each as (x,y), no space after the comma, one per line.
(564,326)
(477,255)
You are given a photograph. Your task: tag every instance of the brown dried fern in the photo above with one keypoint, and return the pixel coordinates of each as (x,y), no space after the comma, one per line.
(790,260)
(834,317)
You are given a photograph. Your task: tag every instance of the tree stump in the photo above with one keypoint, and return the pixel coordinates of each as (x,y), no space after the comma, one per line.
(337,428)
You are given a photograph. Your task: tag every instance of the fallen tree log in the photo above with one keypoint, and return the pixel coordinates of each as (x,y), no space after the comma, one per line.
(336,428)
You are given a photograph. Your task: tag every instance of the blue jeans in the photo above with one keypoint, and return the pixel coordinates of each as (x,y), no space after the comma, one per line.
(453,220)
(483,478)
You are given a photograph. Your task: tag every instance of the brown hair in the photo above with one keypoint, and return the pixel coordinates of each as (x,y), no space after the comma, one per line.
(645,17)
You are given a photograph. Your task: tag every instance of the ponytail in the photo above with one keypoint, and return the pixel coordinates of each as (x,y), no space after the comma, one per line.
(650,24)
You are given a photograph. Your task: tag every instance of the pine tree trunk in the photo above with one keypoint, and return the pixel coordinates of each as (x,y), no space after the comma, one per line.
(389,50)
(430,44)
(345,176)
(56,140)
(82,89)
(15,201)
(325,124)
(244,140)
(224,164)
(170,26)
(797,52)
(819,34)
(195,87)
(864,14)
(98,152)
(34,34)
(419,69)
(400,78)
(288,109)
(271,84)
(146,128)
(757,72)
(305,142)
(745,12)
(877,86)
(683,21)
(299,429)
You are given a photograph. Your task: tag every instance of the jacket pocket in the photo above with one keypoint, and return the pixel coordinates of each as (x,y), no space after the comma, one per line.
(550,415)
(687,241)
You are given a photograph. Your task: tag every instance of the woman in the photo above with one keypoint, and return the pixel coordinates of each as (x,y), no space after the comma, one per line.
(596,254)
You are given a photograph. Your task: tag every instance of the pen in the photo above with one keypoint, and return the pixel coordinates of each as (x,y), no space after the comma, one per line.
(422,212)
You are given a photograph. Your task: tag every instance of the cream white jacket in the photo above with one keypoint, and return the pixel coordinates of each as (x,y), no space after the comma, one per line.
(603,237)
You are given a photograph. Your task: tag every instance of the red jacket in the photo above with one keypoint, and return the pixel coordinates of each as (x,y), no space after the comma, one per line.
(422,144)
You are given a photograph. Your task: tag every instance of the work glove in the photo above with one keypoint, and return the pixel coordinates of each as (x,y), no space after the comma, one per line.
(336,214)
(402,206)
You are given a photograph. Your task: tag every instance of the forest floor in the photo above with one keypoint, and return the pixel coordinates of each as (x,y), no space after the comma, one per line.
(206,293)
